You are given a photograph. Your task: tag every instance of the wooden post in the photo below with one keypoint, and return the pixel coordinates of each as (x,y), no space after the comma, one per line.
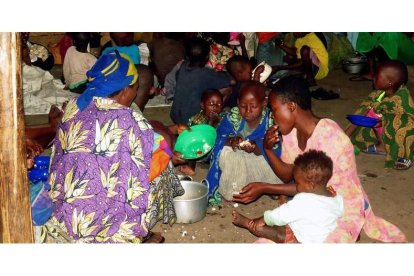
(15,212)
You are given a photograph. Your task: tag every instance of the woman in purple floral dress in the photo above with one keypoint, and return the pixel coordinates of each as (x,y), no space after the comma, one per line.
(101,174)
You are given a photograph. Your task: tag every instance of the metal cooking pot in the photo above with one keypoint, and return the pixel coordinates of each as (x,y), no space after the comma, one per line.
(192,206)
(353,68)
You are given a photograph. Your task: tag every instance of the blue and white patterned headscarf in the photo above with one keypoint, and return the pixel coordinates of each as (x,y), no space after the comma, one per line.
(111,73)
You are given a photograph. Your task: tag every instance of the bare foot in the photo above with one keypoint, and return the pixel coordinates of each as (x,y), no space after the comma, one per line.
(240,220)
(187,170)
(154,238)
(274,233)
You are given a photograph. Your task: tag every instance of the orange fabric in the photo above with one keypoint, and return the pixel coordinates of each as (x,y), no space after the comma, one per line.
(159,163)
(263,37)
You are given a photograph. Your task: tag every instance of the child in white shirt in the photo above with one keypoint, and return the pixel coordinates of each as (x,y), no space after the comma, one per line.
(313,212)
(77,62)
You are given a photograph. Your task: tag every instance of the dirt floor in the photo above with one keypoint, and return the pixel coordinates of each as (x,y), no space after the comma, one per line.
(391,192)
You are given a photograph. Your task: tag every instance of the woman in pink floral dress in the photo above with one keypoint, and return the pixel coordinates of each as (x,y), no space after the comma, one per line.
(301,131)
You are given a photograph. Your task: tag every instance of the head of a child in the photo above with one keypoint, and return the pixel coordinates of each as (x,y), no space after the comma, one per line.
(252,101)
(211,102)
(81,41)
(122,38)
(287,98)
(197,51)
(221,38)
(390,75)
(312,171)
(239,68)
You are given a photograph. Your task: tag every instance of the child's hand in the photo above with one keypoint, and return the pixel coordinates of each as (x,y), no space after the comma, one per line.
(279,42)
(30,163)
(177,159)
(271,137)
(182,127)
(379,124)
(247,146)
(257,72)
(234,142)
(214,120)
(33,148)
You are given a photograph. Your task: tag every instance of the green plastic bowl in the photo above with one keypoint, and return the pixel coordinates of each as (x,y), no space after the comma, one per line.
(197,142)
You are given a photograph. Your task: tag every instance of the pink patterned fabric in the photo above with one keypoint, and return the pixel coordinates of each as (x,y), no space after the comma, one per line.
(331,139)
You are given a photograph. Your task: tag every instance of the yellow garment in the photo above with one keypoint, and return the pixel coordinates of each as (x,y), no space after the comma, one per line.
(316,45)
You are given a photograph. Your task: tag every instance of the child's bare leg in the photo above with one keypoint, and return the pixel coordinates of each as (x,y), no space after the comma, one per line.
(276,234)
(380,146)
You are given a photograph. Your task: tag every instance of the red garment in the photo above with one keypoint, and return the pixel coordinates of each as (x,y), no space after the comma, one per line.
(263,37)
(64,43)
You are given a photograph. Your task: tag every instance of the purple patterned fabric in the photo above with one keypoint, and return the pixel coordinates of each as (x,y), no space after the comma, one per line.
(99,173)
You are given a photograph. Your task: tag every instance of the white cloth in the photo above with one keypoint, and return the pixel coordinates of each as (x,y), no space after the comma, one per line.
(75,66)
(239,168)
(41,91)
(311,217)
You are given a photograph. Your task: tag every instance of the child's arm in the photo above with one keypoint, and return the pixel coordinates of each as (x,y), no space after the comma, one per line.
(242,40)
(234,142)
(178,128)
(288,50)
(257,72)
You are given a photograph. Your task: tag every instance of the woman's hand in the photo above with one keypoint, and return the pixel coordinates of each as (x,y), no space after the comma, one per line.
(177,159)
(249,193)
(271,137)
(33,148)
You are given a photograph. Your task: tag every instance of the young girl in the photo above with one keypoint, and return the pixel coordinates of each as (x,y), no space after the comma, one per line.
(238,156)
(393,102)
(77,62)
(211,108)
(312,213)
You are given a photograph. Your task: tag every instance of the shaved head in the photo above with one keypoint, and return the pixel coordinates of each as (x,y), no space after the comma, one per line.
(257,89)
(395,70)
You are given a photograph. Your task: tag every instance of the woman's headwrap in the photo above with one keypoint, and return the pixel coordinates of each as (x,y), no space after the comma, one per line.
(111,73)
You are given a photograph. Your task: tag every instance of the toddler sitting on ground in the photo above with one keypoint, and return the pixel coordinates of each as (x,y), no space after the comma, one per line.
(312,213)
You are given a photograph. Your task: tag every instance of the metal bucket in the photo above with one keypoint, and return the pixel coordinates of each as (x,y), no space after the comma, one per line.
(192,206)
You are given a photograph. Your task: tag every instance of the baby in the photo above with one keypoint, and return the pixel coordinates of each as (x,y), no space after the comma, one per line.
(313,212)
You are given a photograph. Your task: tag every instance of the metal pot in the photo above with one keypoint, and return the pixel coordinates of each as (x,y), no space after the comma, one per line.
(192,206)
(353,68)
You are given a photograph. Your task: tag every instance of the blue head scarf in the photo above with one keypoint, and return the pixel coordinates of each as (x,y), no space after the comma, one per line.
(111,72)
